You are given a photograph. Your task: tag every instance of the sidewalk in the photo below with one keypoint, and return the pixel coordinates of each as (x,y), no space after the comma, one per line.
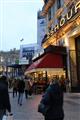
(73,97)
(28,111)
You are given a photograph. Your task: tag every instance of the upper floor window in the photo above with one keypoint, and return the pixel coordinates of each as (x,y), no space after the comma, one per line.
(70,6)
(58,4)
(49,15)
(45,1)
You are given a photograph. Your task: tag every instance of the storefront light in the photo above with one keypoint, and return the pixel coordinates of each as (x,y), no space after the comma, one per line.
(44,72)
(35,74)
(66,40)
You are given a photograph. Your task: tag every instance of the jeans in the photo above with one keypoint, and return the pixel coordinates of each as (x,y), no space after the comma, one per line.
(26,94)
(14,92)
(20,98)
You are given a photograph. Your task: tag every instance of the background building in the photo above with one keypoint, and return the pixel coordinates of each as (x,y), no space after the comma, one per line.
(27,52)
(8,58)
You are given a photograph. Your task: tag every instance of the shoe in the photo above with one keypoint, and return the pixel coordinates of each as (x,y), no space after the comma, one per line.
(20,104)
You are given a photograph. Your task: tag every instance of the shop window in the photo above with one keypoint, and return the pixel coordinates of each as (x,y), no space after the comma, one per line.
(49,15)
(61,43)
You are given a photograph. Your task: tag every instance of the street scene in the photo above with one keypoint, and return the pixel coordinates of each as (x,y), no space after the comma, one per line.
(28,111)
(39,59)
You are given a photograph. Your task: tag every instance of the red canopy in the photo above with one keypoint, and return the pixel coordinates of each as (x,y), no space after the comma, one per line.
(49,60)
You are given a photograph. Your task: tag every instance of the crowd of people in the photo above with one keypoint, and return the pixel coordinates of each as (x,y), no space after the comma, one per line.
(19,86)
(53,95)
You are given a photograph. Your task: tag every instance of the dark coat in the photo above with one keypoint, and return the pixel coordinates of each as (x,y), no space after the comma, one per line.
(21,86)
(54,98)
(4,96)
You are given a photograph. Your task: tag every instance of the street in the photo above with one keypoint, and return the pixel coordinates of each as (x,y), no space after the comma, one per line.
(28,111)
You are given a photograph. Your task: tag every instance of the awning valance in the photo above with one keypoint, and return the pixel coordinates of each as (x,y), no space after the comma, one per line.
(48,61)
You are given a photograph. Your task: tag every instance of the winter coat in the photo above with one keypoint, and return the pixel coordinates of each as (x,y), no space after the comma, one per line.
(21,86)
(53,97)
(4,96)
(27,85)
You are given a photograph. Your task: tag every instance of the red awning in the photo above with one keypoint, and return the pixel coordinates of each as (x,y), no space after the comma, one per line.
(49,60)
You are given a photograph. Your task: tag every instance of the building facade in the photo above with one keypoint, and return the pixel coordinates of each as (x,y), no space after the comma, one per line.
(63,29)
(8,58)
(27,52)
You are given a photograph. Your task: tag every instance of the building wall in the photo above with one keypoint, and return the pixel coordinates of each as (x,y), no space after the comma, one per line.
(8,58)
(66,34)
(27,52)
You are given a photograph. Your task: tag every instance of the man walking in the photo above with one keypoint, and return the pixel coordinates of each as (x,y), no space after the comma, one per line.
(21,86)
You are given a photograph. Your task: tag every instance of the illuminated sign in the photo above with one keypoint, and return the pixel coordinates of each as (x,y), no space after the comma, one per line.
(64,19)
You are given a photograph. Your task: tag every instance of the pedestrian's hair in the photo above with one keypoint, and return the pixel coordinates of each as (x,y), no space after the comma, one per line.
(55,79)
(4,78)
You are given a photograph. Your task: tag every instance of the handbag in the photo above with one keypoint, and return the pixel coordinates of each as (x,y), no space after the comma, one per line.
(42,108)
(8,117)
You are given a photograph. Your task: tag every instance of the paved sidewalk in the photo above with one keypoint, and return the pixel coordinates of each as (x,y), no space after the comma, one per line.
(28,111)
(72,106)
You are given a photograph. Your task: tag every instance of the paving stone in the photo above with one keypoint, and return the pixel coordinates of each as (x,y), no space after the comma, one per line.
(28,111)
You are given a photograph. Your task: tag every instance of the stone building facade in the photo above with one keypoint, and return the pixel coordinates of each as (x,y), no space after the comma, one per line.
(63,29)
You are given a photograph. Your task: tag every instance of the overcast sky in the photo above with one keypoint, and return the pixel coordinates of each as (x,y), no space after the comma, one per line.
(18,19)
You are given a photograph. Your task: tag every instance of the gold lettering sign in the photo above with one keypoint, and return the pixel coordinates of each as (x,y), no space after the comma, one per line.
(77,6)
(56,27)
(69,14)
(64,19)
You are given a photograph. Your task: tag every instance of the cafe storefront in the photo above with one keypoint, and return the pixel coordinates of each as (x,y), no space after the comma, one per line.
(67,33)
(51,63)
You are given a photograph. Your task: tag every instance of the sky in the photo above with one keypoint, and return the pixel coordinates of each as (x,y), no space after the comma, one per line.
(18,19)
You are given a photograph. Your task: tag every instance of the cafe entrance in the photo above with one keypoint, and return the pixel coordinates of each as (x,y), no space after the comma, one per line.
(77,43)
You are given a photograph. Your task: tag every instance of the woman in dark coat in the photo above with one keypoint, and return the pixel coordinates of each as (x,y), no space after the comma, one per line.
(4,97)
(21,86)
(53,98)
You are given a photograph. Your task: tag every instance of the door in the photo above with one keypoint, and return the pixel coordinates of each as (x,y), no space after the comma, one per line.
(77,43)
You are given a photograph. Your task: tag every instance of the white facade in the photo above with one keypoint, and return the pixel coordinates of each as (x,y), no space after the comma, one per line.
(27,52)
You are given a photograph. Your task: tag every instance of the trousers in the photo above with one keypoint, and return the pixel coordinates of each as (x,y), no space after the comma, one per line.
(2,112)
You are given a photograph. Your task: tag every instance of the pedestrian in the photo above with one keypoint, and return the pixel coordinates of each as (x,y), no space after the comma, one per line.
(67,82)
(30,87)
(4,97)
(15,86)
(52,102)
(27,88)
(21,86)
(62,82)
